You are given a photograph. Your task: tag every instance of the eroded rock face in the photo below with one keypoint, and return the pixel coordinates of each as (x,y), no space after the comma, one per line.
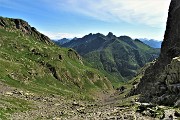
(161,82)
(171,43)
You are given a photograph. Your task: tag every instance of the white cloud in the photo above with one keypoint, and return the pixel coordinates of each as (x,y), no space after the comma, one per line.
(57,36)
(148,12)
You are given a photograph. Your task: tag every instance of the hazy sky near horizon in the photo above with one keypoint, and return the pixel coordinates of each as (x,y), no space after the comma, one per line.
(76,18)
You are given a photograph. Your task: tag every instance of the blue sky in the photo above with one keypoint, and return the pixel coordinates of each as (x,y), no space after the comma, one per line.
(76,18)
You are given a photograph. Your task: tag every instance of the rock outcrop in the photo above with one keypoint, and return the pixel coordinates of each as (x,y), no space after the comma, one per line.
(22,26)
(161,82)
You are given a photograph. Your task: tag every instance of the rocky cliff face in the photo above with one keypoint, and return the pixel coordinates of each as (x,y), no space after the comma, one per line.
(12,25)
(171,43)
(161,82)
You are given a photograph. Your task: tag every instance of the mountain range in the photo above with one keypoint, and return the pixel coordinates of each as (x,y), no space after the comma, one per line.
(109,77)
(151,42)
(118,56)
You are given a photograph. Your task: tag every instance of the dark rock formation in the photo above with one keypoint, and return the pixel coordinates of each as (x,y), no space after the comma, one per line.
(53,71)
(171,43)
(160,84)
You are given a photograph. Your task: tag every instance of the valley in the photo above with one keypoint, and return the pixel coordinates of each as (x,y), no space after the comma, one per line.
(95,77)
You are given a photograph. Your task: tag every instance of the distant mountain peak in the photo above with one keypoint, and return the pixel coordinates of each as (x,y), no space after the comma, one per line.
(151,42)
(62,41)
(98,34)
(110,34)
(75,38)
(90,34)
(125,37)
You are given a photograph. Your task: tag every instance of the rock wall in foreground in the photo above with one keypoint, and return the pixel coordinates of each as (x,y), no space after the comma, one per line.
(161,81)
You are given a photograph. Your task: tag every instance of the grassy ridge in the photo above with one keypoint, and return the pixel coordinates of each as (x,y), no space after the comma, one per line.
(29,63)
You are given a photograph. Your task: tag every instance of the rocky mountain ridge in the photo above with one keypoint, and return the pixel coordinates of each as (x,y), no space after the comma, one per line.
(118,56)
(160,84)
(12,25)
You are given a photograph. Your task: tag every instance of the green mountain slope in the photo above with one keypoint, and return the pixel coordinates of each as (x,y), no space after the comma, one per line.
(118,56)
(30,61)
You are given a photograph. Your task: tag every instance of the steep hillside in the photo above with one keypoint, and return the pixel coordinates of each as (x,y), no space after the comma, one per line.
(161,84)
(29,60)
(118,56)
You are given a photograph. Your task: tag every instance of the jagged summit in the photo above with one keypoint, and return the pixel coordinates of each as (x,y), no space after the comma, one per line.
(110,35)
